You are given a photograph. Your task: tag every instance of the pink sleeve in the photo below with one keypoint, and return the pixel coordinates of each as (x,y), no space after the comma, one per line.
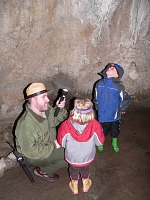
(61,133)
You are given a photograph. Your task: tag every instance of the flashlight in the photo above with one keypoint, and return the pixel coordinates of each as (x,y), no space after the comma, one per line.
(63,95)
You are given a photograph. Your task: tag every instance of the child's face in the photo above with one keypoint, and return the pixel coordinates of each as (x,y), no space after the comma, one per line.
(112,72)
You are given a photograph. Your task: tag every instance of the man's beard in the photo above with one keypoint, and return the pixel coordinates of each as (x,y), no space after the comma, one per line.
(45,108)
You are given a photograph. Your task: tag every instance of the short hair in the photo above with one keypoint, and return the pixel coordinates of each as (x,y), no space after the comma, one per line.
(83,111)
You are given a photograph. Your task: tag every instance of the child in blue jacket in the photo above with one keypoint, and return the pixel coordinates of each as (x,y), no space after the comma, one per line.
(111,100)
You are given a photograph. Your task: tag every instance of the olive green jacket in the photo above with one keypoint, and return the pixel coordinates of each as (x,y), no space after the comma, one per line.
(35,135)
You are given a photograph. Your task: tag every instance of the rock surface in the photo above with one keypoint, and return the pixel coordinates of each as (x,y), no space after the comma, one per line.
(66,43)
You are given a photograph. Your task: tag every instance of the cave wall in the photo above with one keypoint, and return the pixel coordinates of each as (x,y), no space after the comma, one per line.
(66,43)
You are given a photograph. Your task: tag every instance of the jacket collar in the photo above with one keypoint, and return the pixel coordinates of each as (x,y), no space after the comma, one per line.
(37,117)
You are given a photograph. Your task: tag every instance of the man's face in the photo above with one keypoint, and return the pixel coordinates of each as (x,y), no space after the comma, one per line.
(41,102)
(112,72)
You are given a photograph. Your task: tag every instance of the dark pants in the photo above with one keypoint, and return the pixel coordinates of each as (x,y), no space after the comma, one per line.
(111,127)
(50,164)
(76,171)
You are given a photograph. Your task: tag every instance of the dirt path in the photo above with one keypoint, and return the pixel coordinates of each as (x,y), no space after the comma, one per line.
(123,176)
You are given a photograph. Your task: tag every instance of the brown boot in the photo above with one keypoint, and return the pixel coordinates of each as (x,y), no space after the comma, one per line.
(74,186)
(86,184)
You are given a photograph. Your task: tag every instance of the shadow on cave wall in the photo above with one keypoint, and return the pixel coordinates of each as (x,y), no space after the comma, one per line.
(60,81)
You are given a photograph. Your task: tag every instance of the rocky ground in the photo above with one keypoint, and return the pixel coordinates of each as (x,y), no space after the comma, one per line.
(122,176)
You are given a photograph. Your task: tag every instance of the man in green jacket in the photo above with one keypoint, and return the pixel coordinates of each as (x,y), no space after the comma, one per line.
(36,133)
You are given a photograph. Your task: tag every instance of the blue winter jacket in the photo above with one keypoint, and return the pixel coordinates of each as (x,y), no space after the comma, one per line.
(110,97)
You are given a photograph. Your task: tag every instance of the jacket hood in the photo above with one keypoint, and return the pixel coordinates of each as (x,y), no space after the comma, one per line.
(119,69)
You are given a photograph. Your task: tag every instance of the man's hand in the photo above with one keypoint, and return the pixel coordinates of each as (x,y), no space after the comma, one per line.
(61,104)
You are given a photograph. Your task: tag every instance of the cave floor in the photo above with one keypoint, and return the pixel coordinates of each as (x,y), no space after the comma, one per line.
(122,176)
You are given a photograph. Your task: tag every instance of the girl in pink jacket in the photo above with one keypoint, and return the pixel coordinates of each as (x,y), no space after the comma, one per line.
(79,135)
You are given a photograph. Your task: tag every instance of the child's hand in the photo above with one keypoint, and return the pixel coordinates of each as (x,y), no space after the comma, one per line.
(122,113)
(56,144)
